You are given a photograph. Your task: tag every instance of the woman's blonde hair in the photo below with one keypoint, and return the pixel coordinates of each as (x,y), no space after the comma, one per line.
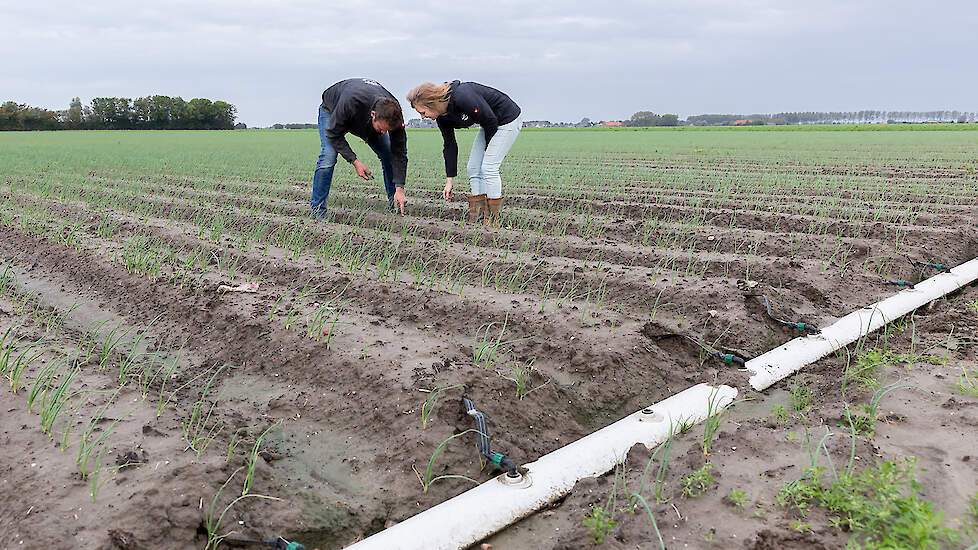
(429,95)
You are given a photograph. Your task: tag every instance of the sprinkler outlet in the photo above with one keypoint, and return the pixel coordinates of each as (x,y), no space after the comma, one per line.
(517,480)
(648,414)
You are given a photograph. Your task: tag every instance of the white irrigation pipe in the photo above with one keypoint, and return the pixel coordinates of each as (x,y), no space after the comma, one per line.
(784,360)
(483,510)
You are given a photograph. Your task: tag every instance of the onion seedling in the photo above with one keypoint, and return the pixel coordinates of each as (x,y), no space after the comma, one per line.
(427,479)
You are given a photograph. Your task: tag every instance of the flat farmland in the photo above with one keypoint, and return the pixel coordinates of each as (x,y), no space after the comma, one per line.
(149,402)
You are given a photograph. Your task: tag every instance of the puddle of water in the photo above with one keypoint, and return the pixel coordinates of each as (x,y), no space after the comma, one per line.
(760,406)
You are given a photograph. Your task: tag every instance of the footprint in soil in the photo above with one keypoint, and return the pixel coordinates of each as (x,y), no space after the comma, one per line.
(131,459)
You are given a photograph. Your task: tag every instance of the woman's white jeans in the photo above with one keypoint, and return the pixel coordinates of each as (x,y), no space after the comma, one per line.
(483,167)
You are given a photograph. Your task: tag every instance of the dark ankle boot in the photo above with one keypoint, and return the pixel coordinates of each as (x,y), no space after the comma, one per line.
(477,208)
(492,216)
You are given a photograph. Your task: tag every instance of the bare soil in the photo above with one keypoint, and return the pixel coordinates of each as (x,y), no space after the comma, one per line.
(347,435)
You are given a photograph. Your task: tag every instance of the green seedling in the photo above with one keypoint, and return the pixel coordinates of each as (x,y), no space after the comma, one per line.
(967,383)
(198,431)
(428,478)
(25,358)
(714,416)
(162,403)
(868,364)
(523,378)
(87,340)
(655,525)
(797,525)
(110,344)
(661,457)
(485,347)
(8,280)
(866,423)
(97,481)
(252,459)
(60,318)
(56,397)
(233,443)
(127,362)
(213,519)
(428,407)
(88,441)
(40,385)
(8,343)
(601,520)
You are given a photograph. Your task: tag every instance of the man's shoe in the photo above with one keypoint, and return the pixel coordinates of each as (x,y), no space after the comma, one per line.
(318,213)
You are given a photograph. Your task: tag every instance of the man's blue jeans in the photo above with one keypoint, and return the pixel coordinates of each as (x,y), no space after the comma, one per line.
(323,177)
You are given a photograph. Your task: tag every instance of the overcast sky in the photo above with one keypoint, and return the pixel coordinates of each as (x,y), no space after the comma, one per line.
(559,59)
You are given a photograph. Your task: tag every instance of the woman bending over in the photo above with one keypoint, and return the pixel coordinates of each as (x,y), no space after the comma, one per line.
(460,105)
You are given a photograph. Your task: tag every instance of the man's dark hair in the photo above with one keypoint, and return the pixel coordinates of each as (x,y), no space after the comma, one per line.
(389,110)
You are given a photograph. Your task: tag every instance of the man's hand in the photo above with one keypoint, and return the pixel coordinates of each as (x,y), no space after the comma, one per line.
(362,170)
(399,200)
(447,193)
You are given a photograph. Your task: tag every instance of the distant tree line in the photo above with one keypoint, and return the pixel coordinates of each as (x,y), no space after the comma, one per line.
(834,117)
(158,112)
(294,126)
(648,118)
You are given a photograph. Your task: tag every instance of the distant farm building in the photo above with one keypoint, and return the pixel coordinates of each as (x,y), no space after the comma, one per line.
(610,123)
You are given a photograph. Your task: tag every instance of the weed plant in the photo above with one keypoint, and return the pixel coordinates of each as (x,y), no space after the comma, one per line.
(801,396)
(698,481)
(881,506)
(599,523)
(736,498)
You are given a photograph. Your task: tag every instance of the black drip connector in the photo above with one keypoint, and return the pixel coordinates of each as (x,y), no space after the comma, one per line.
(730,358)
(499,459)
(797,326)
(939,267)
(278,543)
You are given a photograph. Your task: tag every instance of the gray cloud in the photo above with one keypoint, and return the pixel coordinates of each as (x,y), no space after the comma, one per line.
(561,60)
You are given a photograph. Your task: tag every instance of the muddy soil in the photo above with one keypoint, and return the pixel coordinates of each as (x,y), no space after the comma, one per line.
(321,427)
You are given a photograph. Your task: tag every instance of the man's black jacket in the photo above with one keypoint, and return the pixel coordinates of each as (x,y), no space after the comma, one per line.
(349,103)
(470,103)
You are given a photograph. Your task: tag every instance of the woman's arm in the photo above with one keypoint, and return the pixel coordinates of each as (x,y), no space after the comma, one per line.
(450,147)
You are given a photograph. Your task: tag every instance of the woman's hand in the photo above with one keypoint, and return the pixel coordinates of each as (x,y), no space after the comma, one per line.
(447,193)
